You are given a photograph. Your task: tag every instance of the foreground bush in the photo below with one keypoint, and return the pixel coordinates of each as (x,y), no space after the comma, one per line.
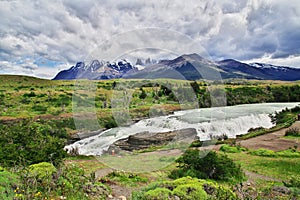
(29,142)
(44,181)
(186,188)
(202,164)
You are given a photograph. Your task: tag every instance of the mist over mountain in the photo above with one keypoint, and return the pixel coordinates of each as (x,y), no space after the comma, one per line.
(185,67)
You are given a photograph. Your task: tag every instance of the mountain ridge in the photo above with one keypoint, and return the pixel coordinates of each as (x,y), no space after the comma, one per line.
(186,66)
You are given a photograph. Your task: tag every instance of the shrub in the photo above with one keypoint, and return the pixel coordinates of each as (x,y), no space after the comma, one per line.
(190,192)
(25,101)
(232,149)
(293,182)
(196,143)
(292,132)
(158,193)
(184,188)
(211,165)
(127,178)
(39,108)
(43,180)
(27,142)
(108,122)
(263,152)
(289,153)
(143,94)
(31,94)
(43,170)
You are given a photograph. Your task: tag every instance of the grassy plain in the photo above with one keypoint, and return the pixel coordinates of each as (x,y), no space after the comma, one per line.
(31,98)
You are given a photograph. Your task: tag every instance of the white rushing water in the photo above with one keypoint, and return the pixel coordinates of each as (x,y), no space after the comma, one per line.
(230,120)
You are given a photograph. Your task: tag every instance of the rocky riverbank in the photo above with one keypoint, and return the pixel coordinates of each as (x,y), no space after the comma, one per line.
(145,140)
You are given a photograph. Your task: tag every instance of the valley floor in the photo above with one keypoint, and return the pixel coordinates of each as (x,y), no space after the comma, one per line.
(262,173)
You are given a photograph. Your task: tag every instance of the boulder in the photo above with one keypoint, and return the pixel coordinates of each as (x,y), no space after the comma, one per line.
(144,140)
(82,135)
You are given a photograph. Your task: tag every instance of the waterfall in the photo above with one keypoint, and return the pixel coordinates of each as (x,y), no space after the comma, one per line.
(230,120)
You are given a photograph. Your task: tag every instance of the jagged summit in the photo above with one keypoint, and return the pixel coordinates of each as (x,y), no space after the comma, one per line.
(96,70)
(187,66)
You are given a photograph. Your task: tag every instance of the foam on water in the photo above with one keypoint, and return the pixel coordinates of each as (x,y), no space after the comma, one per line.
(230,120)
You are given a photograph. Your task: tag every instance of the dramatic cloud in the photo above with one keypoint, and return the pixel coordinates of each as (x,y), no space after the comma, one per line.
(64,32)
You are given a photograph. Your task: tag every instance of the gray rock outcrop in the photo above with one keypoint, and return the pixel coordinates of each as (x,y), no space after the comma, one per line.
(144,140)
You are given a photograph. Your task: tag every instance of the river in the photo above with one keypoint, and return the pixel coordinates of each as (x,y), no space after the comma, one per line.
(229,120)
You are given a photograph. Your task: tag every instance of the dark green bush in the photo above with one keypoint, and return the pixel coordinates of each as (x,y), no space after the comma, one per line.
(292,132)
(25,101)
(202,164)
(39,108)
(108,122)
(27,142)
(293,182)
(31,94)
(143,94)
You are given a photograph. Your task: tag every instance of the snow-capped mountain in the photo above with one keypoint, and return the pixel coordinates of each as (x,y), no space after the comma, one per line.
(187,67)
(96,70)
(269,66)
(141,64)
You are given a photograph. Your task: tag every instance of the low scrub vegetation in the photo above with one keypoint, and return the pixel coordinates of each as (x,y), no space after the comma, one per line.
(128,179)
(45,181)
(289,153)
(29,142)
(184,188)
(232,149)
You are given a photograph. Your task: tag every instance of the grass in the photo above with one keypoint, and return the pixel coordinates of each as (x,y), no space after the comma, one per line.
(89,163)
(264,131)
(22,96)
(292,137)
(142,162)
(8,182)
(275,167)
(127,179)
(28,97)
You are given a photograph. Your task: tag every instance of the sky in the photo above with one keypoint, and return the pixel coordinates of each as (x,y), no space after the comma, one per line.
(40,38)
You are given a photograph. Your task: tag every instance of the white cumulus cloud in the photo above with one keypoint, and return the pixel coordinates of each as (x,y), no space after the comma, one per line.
(67,31)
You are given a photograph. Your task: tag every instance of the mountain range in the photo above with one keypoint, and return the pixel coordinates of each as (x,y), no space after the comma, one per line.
(186,67)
